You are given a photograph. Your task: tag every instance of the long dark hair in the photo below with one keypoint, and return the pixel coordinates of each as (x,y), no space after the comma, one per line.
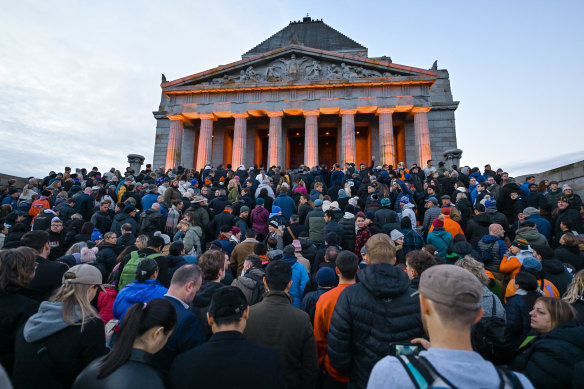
(528,282)
(140,318)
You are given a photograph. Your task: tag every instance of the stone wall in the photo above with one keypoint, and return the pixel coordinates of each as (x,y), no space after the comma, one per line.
(572,174)
(20,182)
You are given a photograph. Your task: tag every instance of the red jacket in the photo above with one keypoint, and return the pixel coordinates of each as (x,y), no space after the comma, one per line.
(105,303)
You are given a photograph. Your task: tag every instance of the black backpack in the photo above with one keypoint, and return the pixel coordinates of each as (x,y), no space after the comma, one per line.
(491,338)
(258,290)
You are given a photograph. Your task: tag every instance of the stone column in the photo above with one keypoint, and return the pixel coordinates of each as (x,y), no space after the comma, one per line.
(348,136)
(187,155)
(205,141)
(239,139)
(173,149)
(311,138)
(386,146)
(274,152)
(136,161)
(422,135)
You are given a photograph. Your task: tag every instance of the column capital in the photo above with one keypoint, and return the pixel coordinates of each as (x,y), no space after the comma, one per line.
(243,115)
(175,117)
(403,108)
(348,111)
(385,110)
(275,114)
(421,109)
(207,116)
(311,113)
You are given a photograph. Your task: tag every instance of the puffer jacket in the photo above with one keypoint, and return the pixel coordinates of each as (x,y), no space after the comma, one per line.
(369,316)
(385,215)
(491,251)
(548,361)
(137,292)
(299,280)
(348,224)
(441,239)
(557,274)
(476,228)
(315,224)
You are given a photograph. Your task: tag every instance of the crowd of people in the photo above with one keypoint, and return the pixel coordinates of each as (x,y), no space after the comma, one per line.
(310,277)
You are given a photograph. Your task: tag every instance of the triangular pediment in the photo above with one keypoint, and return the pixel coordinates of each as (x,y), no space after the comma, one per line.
(297,64)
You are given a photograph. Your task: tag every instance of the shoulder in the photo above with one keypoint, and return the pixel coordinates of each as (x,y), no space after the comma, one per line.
(389,373)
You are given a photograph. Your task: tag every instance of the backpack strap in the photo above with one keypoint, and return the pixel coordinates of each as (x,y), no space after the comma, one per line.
(509,380)
(291,234)
(419,379)
(439,380)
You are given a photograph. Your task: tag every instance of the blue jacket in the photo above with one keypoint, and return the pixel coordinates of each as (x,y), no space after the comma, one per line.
(186,335)
(543,226)
(337,177)
(441,239)
(137,292)
(314,194)
(287,205)
(226,245)
(148,200)
(299,280)
(525,188)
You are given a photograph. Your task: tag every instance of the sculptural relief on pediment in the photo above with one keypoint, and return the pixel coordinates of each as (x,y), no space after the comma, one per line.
(298,69)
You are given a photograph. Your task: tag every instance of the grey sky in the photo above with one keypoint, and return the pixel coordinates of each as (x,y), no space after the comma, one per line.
(79,79)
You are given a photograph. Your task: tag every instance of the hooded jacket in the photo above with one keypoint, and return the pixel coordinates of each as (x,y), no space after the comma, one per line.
(571,255)
(202,302)
(477,227)
(441,239)
(348,224)
(533,237)
(120,219)
(69,348)
(557,274)
(137,292)
(491,250)
(369,316)
(408,211)
(259,219)
(299,279)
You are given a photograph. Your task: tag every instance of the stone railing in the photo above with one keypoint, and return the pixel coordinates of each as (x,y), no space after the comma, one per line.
(572,174)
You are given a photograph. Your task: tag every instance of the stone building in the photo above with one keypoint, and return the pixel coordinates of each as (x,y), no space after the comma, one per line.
(306,95)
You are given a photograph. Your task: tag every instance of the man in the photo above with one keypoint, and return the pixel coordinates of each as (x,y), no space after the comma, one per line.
(493,187)
(293,231)
(454,212)
(187,333)
(353,346)
(564,212)
(432,212)
(151,196)
(450,302)
(274,322)
(285,203)
(315,223)
(101,219)
(127,238)
(212,265)
(417,262)
(241,251)
(223,218)
(347,265)
(478,226)
(125,216)
(525,186)
(513,259)
(241,221)
(491,250)
(66,210)
(303,208)
(48,274)
(412,240)
(251,280)
(430,168)
(331,226)
(224,240)
(528,231)
(228,360)
(151,221)
(172,192)
(553,194)
(56,239)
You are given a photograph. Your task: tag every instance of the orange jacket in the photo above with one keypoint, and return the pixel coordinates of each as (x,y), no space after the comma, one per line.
(549,289)
(511,265)
(322,321)
(451,226)
(37,207)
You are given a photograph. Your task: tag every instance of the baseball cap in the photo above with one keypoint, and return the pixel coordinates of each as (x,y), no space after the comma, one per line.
(226,302)
(84,275)
(452,286)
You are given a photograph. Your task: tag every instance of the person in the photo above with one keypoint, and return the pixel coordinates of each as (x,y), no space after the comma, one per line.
(514,257)
(353,347)
(127,238)
(187,333)
(315,223)
(17,269)
(275,322)
(575,295)
(299,275)
(450,300)
(492,249)
(439,237)
(325,280)
(569,252)
(251,280)
(204,366)
(555,271)
(144,288)
(48,274)
(241,251)
(155,245)
(259,217)
(520,304)
(347,265)
(64,336)
(417,262)
(548,358)
(362,235)
(144,331)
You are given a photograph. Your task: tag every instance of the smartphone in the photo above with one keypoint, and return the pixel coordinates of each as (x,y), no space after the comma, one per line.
(110,325)
(397,349)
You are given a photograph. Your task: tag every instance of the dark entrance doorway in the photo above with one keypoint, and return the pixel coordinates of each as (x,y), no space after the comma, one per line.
(295,147)
(399,140)
(362,145)
(327,146)
(261,154)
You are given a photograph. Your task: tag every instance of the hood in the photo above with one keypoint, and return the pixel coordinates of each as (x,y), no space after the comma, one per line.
(121,216)
(491,210)
(483,219)
(203,297)
(440,231)
(48,321)
(569,332)
(384,281)
(139,292)
(247,282)
(305,243)
(409,205)
(291,260)
(489,238)
(348,215)
(528,235)
(462,248)
(552,266)
(512,186)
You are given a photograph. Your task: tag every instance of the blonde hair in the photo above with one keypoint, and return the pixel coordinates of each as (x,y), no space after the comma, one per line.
(74,296)
(380,249)
(575,289)
(142,241)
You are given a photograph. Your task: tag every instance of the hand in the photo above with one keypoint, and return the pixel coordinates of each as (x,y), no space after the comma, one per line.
(373,157)
(421,341)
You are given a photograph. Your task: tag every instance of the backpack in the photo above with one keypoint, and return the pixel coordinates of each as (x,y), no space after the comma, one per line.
(491,338)
(258,290)
(486,255)
(424,375)
(129,272)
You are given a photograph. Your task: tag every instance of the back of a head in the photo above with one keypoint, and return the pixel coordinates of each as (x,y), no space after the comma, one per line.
(380,249)
(35,240)
(145,269)
(331,253)
(140,318)
(278,275)
(17,268)
(254,260)
(185,274)
(420,261)
(475,267)
(348,263)
(211,262)
(126,227)
(156,242)
(176,248)
(227,305)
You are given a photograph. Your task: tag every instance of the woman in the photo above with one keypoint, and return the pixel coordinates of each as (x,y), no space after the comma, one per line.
(259,217)
(575,295)
(107,254)
(232,191)
(192,237)
(439,237)
(520,304)
(362,235)
(85,233)
(274,231)
(144,331)
(398,240)
(569,252)
(64,336)
(144,288)
(548,359)
(17,269)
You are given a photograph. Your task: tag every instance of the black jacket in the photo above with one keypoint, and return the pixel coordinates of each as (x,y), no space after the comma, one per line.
(47,278)
(369,316)
(137,372)
(348,224)
(105,259)
(220,220)
(548,361)
(120,219)
(334,227)
(476,228)
(557,274)
(150,222)
(228,361)
(570,255)
(102,221)
(202,302)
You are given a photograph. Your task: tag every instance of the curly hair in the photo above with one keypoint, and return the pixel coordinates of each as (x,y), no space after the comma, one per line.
(475,267)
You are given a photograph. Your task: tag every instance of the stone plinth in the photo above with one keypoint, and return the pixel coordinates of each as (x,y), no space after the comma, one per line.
(136,161)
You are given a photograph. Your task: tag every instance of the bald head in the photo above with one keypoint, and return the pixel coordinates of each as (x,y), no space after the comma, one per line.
(496,230)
